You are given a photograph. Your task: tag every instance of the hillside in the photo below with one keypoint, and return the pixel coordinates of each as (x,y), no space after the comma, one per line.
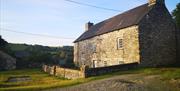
(17,47)
(30,56)
(6,61)
(33,56)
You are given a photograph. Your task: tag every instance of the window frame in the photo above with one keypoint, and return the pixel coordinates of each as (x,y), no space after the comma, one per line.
(120,43)
(121,62)
(94,48)
(105,63)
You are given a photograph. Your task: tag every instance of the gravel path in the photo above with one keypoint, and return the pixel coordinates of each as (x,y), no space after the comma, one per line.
(132,82)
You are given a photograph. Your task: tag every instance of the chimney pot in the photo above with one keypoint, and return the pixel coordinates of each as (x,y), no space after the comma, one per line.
(154,2)
(88,26)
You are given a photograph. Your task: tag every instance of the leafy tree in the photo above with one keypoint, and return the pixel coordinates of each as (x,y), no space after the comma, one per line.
(2,42)
(31,56)
(4,46)
(62,54)
(176,14)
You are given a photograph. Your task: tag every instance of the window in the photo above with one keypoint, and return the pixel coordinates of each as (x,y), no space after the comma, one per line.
(121,62)
(120,43)
(105,63)
(94,48)
(94,63)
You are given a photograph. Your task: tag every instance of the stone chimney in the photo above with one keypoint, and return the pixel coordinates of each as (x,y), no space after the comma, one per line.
(88,26)
(153,2)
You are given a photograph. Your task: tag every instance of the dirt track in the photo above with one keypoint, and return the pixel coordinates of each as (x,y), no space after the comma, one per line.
(132,82)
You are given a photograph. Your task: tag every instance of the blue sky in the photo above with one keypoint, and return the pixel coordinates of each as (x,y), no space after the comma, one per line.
(57,18)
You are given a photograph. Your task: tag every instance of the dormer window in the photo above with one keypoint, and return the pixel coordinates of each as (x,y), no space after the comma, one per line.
(119,43)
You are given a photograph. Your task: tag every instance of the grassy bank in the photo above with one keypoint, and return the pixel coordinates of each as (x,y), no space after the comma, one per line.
(41,80)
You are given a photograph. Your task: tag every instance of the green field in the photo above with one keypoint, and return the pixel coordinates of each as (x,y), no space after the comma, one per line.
(41,80)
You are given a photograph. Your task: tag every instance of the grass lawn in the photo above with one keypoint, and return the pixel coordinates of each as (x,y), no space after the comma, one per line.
(41,80)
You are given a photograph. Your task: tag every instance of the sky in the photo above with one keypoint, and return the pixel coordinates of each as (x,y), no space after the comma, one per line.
(57,22)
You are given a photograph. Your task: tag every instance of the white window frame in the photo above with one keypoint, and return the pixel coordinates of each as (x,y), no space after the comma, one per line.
(95,63)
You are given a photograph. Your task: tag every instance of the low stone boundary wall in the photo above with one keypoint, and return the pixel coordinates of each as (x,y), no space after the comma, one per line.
(104,70)
(69,73)
(85,72)
(63,72)
(49,69)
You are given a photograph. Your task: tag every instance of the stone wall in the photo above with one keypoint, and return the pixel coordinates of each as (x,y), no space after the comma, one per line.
(157,38)
(63,72)
(84,71)
(104,70)
(69,73)
(178,46)
(49,69)
(102,50)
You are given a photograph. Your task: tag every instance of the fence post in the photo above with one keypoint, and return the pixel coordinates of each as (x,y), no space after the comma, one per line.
(54,71)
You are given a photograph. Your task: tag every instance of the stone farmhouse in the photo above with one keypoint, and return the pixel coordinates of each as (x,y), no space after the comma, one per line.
(144,35)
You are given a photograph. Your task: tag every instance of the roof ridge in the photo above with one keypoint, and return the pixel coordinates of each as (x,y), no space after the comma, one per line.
(119,21)
(121,13)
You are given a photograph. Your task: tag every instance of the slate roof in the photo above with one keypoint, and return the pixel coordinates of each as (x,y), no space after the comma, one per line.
(126,19)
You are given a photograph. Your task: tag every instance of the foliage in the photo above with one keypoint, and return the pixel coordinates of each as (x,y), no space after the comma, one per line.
(30,56)
(2,43)
(17,47)
(176,14)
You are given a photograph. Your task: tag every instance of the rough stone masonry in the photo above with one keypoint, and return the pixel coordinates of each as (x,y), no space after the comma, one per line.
(145,34)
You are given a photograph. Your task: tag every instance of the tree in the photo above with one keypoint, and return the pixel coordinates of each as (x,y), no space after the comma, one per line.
(62,54)
(3,45)
(176,14)
(2,42)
